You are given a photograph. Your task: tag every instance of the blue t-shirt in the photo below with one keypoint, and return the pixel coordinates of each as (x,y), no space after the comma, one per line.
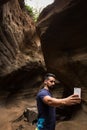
(46,114)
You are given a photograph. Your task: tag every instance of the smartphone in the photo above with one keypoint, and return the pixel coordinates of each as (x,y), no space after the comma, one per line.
(77,91)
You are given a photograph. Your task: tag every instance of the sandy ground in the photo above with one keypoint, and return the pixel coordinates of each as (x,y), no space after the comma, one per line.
(9,113)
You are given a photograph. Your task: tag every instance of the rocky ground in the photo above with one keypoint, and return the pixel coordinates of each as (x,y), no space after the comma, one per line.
(9,117)
(11,113)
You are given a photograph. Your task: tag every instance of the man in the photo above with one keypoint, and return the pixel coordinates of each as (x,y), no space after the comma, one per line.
(46,104)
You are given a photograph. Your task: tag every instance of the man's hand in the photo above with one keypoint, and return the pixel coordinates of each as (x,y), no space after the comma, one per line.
(72,100)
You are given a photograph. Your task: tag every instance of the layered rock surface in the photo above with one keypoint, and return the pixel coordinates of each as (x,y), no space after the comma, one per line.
(62,27)
(21,62)
(20,49)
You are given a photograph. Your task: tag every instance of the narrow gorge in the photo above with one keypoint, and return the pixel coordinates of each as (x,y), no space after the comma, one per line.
(55,43)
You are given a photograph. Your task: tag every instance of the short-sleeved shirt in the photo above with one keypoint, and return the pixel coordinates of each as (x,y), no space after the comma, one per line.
(46,113)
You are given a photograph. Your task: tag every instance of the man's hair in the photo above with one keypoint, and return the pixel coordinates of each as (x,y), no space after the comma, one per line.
(49,75)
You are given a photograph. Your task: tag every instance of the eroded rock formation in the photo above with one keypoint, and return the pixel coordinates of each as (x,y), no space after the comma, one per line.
(20,49)
(21,58)
(19,42)
(62,27)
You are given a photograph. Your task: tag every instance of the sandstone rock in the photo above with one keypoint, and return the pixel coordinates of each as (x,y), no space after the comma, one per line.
(20,44)
(62,28)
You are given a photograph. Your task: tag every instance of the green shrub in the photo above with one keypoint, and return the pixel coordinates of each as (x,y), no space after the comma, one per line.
(32,12)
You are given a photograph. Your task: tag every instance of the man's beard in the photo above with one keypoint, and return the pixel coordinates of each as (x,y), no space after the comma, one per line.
(51,88)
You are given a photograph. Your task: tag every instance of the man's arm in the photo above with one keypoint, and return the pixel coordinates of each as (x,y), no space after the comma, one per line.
(71,100)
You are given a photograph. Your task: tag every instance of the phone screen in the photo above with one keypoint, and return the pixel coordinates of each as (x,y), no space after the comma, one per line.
(77,91)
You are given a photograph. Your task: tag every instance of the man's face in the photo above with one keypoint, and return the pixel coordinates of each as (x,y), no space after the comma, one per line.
(50,82)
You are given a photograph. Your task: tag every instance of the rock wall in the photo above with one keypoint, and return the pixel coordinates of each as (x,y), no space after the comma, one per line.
(21,63)
(62,28)
(21,57)
(20,44)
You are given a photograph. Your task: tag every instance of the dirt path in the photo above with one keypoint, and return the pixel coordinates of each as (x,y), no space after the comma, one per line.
(9,113)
